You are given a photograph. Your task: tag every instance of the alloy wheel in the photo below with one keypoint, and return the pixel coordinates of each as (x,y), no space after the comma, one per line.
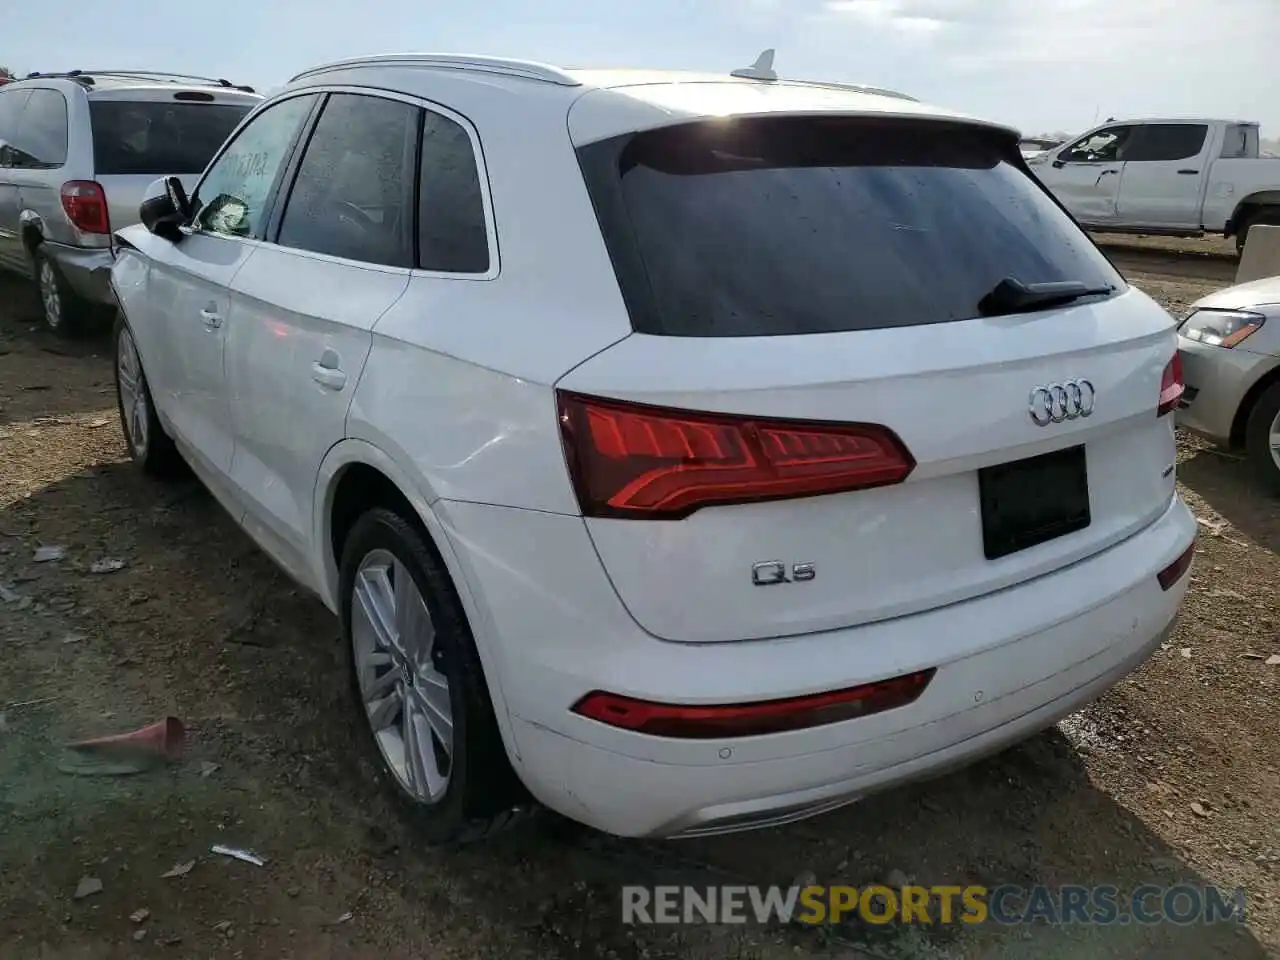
(133,394)
(1273,440)
(397,661)
(50,296)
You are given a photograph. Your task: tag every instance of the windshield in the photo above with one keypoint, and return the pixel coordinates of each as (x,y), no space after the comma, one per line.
(783,226)
(159,137)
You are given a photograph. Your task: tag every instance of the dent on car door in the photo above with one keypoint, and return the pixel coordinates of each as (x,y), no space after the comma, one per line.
(188,303)
(1086,174)
(305,306)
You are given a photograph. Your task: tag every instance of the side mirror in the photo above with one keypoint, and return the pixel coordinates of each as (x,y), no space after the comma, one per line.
(1059,163)
(165,207)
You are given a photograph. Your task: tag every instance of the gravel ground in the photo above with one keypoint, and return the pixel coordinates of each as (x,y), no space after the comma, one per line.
(1173,776)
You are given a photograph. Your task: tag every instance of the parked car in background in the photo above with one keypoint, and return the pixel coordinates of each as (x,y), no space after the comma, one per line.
(1230,348)
(77,150)
(689,475)
(1034,146)
(1174,177)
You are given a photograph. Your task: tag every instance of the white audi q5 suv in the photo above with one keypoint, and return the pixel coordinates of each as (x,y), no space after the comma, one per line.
(691,452)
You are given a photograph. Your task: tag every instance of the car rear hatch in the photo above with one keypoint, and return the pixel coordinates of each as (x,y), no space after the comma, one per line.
(140,134)
(850,395)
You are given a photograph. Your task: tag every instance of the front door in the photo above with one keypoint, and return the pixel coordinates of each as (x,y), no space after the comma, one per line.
(187,290)
(306,304)
(1085,175)
(190,281)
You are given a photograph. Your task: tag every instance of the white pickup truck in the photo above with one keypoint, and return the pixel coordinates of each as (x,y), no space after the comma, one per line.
(1174,177)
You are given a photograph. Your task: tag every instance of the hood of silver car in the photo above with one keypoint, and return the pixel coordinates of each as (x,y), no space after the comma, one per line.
(1245,295)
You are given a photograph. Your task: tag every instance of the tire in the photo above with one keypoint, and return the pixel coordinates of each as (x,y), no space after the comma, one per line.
(66,314)
(150,447)
(481,794)
(1263,424)
(1268,217)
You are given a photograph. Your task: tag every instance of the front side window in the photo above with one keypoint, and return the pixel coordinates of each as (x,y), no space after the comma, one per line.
(40,139)
(353,195)
(796,225)
(1103,146)
(233,194)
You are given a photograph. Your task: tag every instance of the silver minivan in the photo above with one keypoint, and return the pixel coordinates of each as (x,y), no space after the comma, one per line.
(77,150)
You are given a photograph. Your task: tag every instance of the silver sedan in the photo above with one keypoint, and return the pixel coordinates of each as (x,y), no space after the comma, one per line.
(1230,349)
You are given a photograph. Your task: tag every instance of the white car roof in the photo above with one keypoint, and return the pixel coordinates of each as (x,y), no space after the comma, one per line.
(610,102)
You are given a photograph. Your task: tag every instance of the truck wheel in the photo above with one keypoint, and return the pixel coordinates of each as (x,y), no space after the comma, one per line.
(1268,217)
(1262,439)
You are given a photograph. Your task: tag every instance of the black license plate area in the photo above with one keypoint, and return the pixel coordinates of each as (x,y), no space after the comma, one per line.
(1032,501)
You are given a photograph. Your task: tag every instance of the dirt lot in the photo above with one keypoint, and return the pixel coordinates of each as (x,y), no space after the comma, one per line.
(1172,776)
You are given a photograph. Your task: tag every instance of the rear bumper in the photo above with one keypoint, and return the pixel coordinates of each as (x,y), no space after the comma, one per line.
(1217,381)
(87,270)
(1009,664)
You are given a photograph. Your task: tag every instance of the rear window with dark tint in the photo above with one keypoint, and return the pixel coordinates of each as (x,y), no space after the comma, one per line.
(784,226)
(159,137)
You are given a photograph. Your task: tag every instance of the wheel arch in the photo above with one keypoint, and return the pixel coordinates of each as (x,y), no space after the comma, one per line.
(356,472)
(1251,205)
(1247,402)
(31,229)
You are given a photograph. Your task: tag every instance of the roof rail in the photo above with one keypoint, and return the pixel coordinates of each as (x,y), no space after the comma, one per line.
(858,88)
(86,76)
(525,69)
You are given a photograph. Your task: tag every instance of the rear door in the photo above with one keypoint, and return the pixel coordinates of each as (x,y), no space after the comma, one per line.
(38,153)
(11,253)
(140,135)
(884,436)
(1165,170)
(304,305)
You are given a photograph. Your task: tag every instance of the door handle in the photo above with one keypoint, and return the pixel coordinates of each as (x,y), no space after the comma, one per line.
(212,319)
(1188,173)
(329,377)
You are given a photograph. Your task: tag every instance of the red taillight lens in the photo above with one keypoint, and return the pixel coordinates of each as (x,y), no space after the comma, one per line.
(638,461)
(1171,386)
(86,205)
(1178,569)
(752,719)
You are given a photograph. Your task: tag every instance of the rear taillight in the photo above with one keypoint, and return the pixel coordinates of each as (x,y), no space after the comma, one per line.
(85,203)
(702,722)
(1171,386)
(637,461)
(1178,569)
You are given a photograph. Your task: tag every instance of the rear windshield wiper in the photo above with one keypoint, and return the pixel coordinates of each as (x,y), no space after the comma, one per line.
(1013,296)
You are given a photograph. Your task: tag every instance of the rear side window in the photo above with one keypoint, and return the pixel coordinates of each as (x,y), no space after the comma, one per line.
(40,138)
(783,226)
(452,236)
(1166,141)
(11,104)
(158,138)
(353,196)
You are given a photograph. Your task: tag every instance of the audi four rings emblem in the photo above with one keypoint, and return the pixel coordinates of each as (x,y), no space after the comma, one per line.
(1059,402)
